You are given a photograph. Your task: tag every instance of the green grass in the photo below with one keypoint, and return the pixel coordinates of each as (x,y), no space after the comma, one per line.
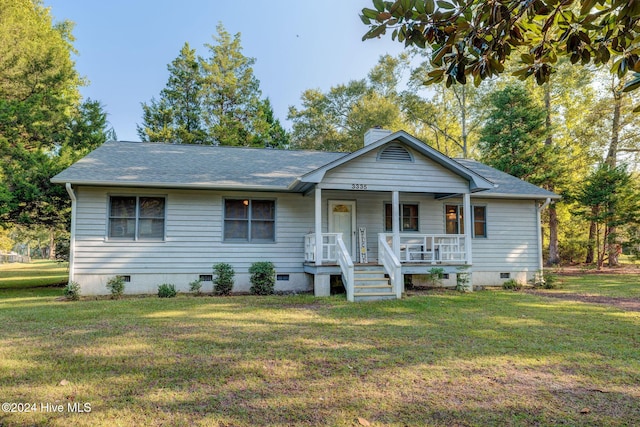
(442,359)
(610,285)
(34,274)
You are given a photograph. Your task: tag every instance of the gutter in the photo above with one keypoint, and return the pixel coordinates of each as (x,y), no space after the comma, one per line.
(539,210)
(72,238)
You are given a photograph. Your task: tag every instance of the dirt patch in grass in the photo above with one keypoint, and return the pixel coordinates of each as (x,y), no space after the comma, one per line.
(627,304)
(581,270)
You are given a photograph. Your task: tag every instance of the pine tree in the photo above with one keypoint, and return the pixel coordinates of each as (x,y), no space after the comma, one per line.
(513,137)
(230,92)
(177,115)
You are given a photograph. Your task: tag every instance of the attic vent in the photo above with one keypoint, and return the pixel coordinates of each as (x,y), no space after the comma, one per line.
(395,153)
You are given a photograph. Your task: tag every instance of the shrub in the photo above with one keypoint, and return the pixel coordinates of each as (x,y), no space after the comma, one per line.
(462,279)
(166,290)
(435,276)
(195,286)
(223,283)
(549,281)
(544,280)
(72,291)
(511,284)
(116,286)
(263,278)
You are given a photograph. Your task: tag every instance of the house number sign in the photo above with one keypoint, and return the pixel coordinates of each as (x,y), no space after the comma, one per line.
(358,186)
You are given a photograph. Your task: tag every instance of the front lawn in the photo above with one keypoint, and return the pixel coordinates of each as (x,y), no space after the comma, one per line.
(34,274)
(609,285)
(442,358)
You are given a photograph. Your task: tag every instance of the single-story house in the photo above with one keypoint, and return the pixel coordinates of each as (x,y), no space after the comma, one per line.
(166,213)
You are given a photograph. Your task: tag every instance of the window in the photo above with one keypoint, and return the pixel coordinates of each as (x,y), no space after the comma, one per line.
(136,217)
(249,220)
(479,221)
(454,218)
(408,219)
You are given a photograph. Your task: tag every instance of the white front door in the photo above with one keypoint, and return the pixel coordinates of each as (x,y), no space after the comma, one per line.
(342,219)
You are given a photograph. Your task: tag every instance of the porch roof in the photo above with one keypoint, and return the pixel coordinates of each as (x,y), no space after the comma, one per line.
(505,185)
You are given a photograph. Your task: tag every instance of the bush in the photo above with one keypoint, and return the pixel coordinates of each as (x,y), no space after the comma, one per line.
(435,275)
(511,284)
(166,290)
(263,278)
(116,286)
(72,291)
(462,279)
(549,281)
(195,286)
(223,283)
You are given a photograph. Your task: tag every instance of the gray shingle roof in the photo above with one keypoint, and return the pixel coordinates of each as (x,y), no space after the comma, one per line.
(142,164)
(505,185)
(196,166)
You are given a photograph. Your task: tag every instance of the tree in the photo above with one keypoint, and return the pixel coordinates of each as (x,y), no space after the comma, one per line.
(610,198)
(513,135)
(231,93)
(177,115)
(337,120)
(472,39)
(6,242)
(39,107)
(212,101)
(270,133)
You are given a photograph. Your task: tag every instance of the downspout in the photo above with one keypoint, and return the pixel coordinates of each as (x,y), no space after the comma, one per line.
(72,238)
(539,228)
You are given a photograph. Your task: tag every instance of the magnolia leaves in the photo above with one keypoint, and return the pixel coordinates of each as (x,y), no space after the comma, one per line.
(472,39)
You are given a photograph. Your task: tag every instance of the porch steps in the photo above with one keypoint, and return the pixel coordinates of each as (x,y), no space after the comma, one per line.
(371,284)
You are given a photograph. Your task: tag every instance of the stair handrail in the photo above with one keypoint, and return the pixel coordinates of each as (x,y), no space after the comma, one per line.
(346,266)
(391,264)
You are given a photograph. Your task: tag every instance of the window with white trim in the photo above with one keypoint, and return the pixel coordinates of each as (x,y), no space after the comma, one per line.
(137,217)
(249,220)
(409,217)
(454,219)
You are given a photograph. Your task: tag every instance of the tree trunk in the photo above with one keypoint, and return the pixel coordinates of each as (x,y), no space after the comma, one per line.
(554,253)
(592,240)
(52,245)
(611,160)
(464,122)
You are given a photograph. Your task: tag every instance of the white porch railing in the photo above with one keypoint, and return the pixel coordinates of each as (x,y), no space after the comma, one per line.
(329,247)
(334,251)
(431,248)
(391,264)
(346,266)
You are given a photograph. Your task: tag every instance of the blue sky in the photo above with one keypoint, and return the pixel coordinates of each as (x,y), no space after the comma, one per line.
(124,46)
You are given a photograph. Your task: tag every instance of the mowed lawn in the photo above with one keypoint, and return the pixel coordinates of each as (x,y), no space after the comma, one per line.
(32,275)
(438,358)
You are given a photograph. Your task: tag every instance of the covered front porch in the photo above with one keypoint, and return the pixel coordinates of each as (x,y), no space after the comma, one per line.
(376,271)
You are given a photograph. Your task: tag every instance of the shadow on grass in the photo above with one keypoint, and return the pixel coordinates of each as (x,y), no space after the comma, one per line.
(442,359)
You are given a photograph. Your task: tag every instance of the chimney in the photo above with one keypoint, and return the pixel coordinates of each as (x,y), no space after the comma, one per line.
(375,134)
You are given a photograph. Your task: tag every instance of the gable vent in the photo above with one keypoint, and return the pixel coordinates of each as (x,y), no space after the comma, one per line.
(395,153)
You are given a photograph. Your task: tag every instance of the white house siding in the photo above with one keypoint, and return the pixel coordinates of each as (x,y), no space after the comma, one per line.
(511,245)
(421,175)
(193,242)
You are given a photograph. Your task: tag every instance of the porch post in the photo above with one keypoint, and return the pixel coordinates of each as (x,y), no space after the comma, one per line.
(395,222)
(318,224)
(468,231)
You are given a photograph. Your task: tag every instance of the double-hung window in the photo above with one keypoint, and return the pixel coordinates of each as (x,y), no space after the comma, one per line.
(136,217)
(249,220)
(454,218)
(408,217)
